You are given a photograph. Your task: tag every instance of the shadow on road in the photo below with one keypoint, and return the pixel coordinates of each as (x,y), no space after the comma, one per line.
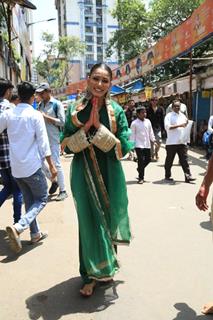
(187,313)
(65,299)
(131,182)
(163,181)
(197,162)
(10,255)
(4,246)
(207,225)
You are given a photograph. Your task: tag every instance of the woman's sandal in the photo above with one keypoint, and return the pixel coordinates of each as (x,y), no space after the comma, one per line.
(88,289)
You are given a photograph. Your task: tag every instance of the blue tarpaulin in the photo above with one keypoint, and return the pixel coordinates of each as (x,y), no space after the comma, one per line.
(116,90)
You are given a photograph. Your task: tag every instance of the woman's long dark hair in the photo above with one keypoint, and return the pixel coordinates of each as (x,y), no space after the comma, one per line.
(101,66)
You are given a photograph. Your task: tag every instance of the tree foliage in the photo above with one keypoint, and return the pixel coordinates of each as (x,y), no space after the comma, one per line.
(165,15)
(54,63)
(140,28)
(129,39)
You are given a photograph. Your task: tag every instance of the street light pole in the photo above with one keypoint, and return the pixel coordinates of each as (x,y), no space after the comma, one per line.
(47,20)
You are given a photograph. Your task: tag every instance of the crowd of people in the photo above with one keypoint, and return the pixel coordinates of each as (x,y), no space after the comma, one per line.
(149,124)
(28,138)
(99,133)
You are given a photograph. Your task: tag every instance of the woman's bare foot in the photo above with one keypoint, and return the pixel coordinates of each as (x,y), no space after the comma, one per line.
(88,289)
(207,308)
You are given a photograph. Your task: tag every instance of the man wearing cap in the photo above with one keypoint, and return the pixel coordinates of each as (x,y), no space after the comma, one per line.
(54,116)
(142,134)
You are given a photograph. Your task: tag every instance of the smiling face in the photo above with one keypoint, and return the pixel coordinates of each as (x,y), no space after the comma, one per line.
(99,82)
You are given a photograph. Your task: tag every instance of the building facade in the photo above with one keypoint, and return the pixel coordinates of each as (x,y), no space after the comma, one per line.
(92,23)
(17,65)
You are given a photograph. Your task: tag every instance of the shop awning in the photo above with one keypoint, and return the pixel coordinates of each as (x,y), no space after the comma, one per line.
(116,90)
(23,3)
(134,86)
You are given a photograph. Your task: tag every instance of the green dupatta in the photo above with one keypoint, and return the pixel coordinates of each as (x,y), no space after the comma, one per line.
(99,191)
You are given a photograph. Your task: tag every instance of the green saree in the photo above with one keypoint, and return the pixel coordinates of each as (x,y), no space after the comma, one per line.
(99,191)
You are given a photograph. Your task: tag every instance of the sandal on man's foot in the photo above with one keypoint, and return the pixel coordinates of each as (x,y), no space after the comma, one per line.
(40,237)
(88,289)
(14,239)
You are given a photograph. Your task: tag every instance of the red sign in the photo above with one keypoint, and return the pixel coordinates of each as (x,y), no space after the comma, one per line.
(76,87)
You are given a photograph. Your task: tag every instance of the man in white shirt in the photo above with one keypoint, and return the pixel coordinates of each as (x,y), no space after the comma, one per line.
(54,117)
(142,134)
(28,146)
(174,123)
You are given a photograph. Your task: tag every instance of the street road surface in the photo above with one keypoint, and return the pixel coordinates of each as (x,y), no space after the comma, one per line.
(166,273)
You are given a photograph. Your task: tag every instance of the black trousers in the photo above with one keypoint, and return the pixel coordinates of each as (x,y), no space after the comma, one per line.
(181,150)
(144,158)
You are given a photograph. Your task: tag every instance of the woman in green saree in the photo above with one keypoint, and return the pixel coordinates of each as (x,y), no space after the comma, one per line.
(96,131)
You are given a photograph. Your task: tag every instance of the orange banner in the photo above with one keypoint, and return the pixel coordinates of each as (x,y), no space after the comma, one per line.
(190,33)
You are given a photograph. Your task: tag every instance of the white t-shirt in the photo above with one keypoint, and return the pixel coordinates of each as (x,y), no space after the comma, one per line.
(142,133)
(28,141)
(174,136)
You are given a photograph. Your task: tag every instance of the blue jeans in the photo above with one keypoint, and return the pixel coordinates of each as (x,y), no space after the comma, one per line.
(55,155)
(34,189)
(11,188)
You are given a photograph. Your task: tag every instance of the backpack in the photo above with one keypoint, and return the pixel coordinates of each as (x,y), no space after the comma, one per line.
(55,109)
(206,138)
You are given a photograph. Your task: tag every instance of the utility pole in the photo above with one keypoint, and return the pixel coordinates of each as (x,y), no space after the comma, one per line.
(190,85)
(9,14)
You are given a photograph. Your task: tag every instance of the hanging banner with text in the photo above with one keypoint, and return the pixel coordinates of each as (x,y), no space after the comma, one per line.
(193,31)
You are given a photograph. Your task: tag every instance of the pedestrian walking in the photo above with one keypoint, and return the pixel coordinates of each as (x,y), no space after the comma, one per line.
(54,116)
(142,135)
(201,203)
(96,130)
(10,186)
(130,111)
(28,146)
(155,114)
(175,122)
